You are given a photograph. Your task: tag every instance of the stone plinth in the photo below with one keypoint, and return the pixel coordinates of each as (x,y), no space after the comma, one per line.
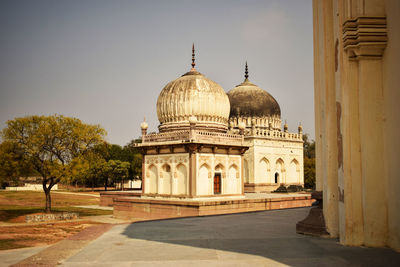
(152,209)
(106,198)
(314,223)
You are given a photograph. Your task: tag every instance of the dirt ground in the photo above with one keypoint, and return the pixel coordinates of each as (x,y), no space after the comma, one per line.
(15,205)
(39,235)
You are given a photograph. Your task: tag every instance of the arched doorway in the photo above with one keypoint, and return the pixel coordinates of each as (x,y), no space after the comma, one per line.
(219,170)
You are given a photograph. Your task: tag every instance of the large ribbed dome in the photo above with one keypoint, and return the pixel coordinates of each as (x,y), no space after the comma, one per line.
(193,94)
(249,100)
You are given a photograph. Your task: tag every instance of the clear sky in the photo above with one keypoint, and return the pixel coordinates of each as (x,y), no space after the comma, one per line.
(106,62)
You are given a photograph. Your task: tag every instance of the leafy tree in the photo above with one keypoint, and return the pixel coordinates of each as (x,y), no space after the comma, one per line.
(135,159)
(136,166)
(309,162)
(309,172)
(119,171)
(79,167)
(12,165)
(50,143)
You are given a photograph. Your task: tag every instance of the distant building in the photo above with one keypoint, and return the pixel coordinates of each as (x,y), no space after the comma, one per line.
(274,157)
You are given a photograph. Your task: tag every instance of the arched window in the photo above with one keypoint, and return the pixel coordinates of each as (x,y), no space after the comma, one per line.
(276,177)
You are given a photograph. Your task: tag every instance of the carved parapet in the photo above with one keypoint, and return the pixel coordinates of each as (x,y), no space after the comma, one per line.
(365,37)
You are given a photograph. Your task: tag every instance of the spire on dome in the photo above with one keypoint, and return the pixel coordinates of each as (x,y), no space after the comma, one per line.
(193,59)
(246,72)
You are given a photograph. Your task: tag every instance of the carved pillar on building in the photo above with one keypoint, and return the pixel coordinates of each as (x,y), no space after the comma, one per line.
(192,148)
(364,42)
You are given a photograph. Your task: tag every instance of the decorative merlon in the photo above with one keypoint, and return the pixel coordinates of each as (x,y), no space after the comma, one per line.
(365,37)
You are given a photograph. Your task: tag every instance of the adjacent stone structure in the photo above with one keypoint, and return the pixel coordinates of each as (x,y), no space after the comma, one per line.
(275,157)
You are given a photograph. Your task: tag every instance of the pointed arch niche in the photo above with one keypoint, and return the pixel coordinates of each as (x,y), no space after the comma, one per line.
(181,179)
(204,180)
(165,180)
(279,172)
(264,171)
(233,181)
(151,180)
(293,175)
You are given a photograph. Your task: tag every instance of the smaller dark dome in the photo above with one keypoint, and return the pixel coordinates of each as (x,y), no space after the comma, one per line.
(247,99)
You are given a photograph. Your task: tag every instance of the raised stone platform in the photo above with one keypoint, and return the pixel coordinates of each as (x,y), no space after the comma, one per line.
(139,209)
(106,197)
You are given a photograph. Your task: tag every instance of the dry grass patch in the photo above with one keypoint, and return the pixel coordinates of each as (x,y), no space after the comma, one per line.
(14,205)
(12,237)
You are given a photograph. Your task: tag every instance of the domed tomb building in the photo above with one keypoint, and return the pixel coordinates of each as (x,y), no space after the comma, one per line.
(192,156)
(275,157)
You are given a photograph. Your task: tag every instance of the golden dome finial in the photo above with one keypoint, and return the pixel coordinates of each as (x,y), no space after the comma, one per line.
(193,58)
(246,72)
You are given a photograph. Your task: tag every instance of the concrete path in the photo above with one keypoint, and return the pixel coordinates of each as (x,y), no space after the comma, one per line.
(12,256)
(64,249)
(251,239)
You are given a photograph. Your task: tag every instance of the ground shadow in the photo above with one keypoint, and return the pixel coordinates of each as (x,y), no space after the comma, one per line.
(270,234)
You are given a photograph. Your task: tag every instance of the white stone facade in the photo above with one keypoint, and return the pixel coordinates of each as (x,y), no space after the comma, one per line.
(270,163)
(228,166)
(166,174)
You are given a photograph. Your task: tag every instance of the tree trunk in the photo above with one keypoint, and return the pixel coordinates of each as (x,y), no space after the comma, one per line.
(48,201)
(105,184)
(122,185)
(46,190)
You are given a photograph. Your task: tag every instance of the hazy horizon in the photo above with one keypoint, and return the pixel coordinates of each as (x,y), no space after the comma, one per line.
(105,62)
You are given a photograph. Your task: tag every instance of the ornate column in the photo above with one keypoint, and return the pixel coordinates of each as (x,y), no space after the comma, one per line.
(364,41)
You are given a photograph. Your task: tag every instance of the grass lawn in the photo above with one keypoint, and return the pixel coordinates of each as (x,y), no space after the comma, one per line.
(15,204)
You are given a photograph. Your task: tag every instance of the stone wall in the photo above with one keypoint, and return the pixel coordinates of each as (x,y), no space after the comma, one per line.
(51,217)
(267,158)
(30,187)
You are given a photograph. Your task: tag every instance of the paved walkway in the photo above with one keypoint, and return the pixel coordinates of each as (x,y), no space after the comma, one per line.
(12,256)
(251,239)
